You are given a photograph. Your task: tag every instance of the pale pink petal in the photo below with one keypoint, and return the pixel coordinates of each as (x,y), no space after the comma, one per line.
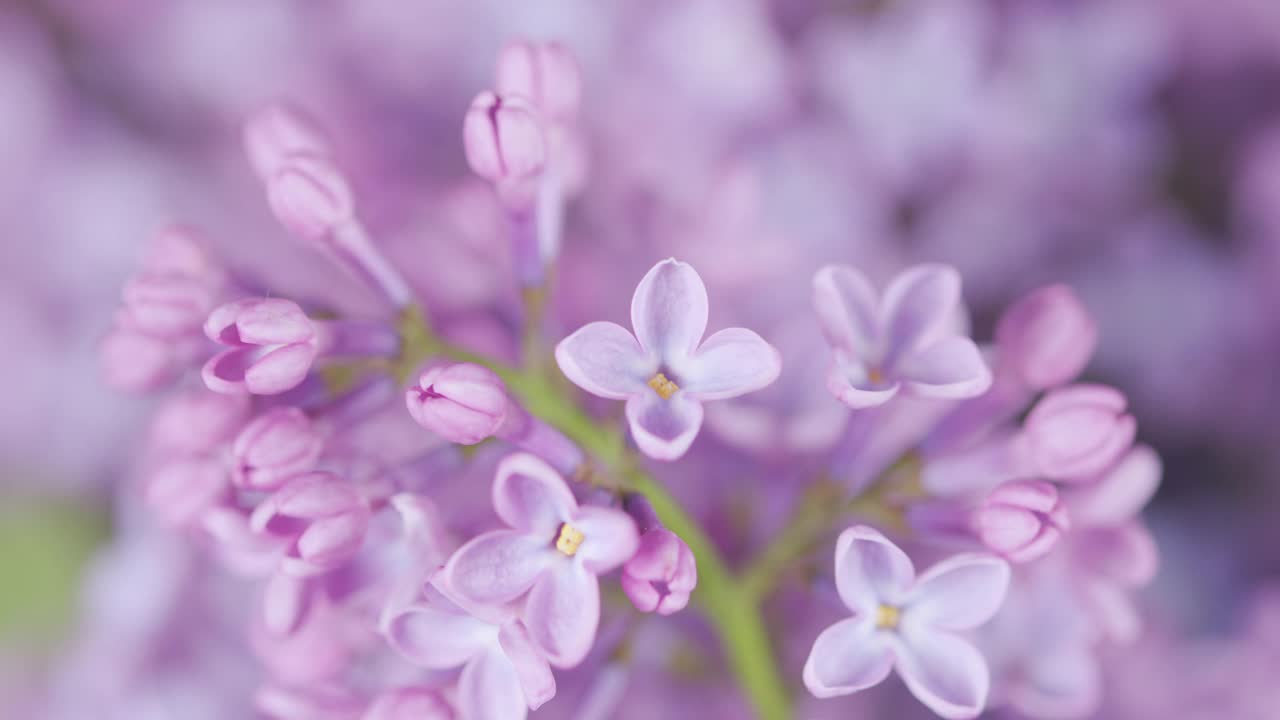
(489,689)
(870,570)
(605,360)
(919,305)
(664,429)
(220,326)
(437,637)
(847,657)
(1121,493)
(730,363)
(610,538)
(536,680)
(498,566)
(563,612)
(529,495)
(274,321)
(669,310)
(943,671)
(848,311)
(959,593)
(279,370)
(225,372)
(949,368)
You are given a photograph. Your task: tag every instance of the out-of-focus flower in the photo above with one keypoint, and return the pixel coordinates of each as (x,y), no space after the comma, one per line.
(504,142)
(552,552)
(1046,338)
(276,132)
(903,342)
(1076,432)
(665,370)
(278,444)
(661,575)
(908,623)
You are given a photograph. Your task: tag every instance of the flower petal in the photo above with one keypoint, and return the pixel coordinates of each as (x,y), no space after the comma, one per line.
(279,370)
(224,372)
(943,671)
(536,680)
(918,306)
(489,689)
(664,429)
(498,566)
(563,613)
(669,310)
(529,495)
(605,360)
(730,363)
(959,593)
(871,570)
(437,637)
(610,535)
(1120,494)
(847,307)
(847,657)
(950,368)
(274,321)
(850,385)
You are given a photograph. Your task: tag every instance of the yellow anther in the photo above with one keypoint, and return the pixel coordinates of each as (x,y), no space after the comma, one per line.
(888,617)
(664,387)
(569,539)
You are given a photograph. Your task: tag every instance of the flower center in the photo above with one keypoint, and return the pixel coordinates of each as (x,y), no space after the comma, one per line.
(875,376)
(664,387)
(888,617)
(569,539)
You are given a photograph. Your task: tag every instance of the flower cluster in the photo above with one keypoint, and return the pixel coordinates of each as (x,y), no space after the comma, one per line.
(429,530)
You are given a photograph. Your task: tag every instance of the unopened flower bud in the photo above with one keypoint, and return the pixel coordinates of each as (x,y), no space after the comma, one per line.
(545,73)
(310,196)
(134,361)
(323,516)
(1076,432)
(1021,520)
(504,143)
(463,403)
(661,575)
(280,443)
(178,492)
(197,421)
(1046,338)
(275,132)
(273,344)
(166,304)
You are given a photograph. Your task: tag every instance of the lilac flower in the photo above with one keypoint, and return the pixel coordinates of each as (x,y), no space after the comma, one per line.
(905,341)
(278,444)
(320,517)
(1021,520)
(665,370)
(1046,338)
(504,675)
(409,704)
(463,403)
(277,131)
(908,623)
(1078,431)
(504,143)
(552,553)
(661,575)
(273,344)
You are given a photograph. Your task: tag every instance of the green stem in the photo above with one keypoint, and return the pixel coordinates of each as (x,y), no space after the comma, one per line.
(734,614)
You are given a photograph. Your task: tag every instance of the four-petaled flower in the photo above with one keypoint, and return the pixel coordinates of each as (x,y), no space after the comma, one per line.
(906,341)
(909,623)
(552,553)
(663,371)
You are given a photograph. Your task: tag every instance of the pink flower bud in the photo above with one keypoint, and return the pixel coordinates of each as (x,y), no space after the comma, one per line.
(1046,338)
(463,403)
(278,444)
(310,196)
(277,131)
(198,421)
(178,492)
(134,361)
(180,250)
(545,73)
(504,143)
(323,517)
(1021,520)
(166,304)
(1078,431)
(662,573)
(409,704)
(273,344)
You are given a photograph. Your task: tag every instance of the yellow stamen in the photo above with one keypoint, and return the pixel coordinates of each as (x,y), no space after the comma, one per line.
(887,617)
(664,387)
(875,376)
(569,539)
